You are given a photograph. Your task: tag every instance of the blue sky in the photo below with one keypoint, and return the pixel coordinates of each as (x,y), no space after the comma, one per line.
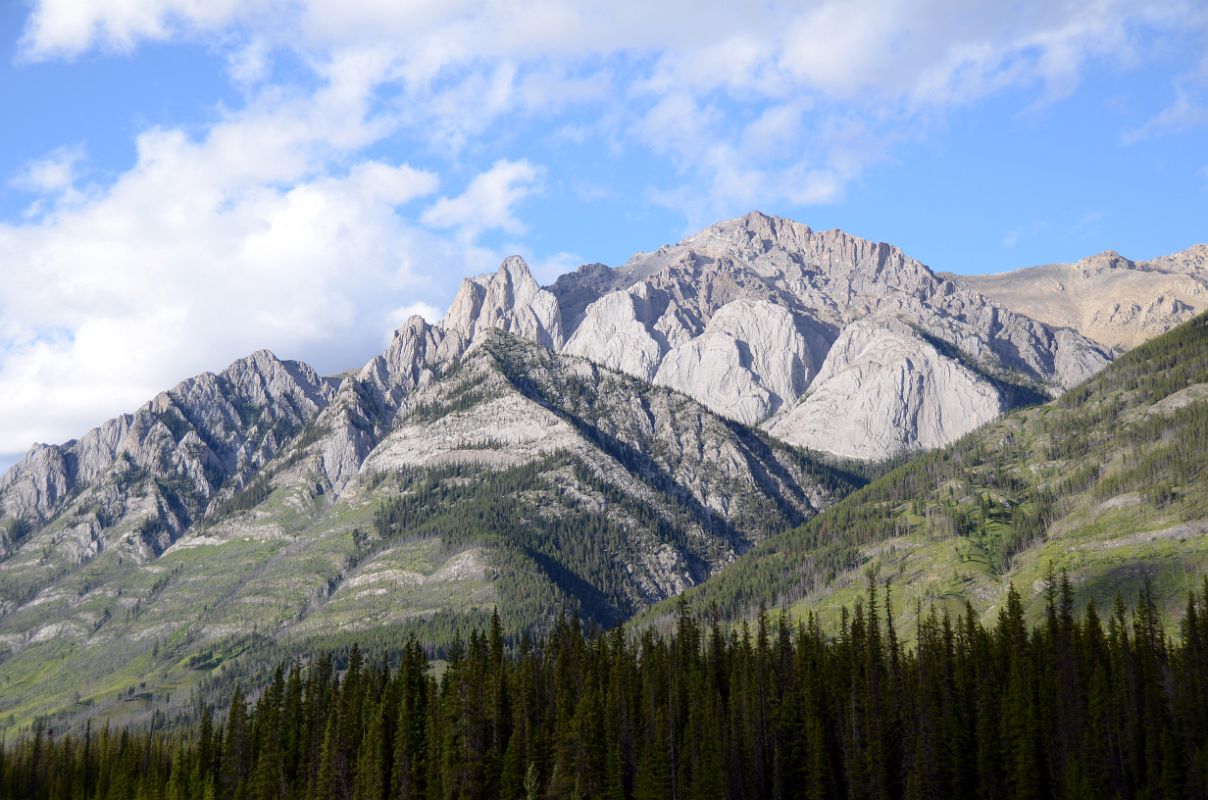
(182,183)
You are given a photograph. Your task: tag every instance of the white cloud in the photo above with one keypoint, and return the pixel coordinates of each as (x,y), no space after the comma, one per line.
(70,27)
(722,89)
(249,63)
(926,50)
(55,173)
(267,231)
(488,202)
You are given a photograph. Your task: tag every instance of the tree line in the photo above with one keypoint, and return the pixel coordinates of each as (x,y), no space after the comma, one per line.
(1084,706)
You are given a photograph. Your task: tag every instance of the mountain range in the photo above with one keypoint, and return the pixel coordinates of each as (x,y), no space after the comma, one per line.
(602,445)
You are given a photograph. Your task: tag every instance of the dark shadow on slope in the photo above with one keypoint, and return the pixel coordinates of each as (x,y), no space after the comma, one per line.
(591,599)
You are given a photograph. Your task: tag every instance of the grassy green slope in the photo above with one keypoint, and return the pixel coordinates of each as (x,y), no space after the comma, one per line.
(1107,482)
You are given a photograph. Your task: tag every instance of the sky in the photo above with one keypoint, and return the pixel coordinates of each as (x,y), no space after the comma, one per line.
(183,182)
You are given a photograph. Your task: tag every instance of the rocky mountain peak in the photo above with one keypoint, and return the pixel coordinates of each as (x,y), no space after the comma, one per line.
(1192,261)
(707,314)
(743,316)
(755,230)
(1103,262)
(776,248)
(508,299)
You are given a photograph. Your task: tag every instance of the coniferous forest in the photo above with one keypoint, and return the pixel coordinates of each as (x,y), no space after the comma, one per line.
(1087,704)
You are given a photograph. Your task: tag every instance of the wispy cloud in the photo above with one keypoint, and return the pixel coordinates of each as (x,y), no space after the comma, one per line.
(1186,111)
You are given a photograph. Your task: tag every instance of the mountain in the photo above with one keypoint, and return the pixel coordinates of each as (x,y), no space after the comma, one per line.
(137,482)
(771,323)
(1108,298)
(597,445)
(512,477)
(1109,482)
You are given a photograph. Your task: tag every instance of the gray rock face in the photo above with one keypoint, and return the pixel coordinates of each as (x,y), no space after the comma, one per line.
(509,300)
(363,409)
(509,403)
(181,450)
(1117,302)
(500,474)
(577,290)
(750,360)
(885,389)
(628,330)
(742,315)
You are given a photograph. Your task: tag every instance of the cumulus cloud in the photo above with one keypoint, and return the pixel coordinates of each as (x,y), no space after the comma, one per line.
(680,73)
(488,202)
(257,234)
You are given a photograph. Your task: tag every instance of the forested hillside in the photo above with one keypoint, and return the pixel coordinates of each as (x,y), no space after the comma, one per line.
(1073,708)
(1109,482)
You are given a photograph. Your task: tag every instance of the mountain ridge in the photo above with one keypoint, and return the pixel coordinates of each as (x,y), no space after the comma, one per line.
(673,317)
(1116,301)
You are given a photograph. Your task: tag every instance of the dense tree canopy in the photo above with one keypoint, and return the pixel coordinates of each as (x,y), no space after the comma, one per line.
(1097,707)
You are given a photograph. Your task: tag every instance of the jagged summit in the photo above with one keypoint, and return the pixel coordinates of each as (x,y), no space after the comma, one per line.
(743,316)
(137,482)
(509,300)
(444,479)
(696,315)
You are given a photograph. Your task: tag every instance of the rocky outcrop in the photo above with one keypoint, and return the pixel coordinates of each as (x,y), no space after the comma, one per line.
(628,330)
(364,409)
(508,300)
(720,487)
(752,358)
(741,317)
(575,291)
(886,389)
(1115,301)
